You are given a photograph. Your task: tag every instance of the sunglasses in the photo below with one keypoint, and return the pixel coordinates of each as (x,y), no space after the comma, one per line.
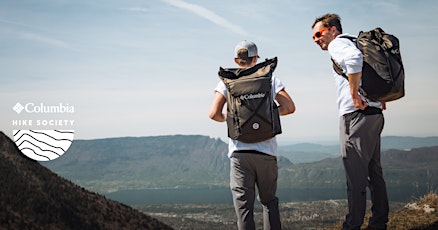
(318,34)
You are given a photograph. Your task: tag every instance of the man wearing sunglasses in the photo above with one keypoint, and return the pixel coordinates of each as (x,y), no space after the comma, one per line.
(361,124)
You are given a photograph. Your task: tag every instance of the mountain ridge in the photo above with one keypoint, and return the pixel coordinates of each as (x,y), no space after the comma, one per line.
(310,152)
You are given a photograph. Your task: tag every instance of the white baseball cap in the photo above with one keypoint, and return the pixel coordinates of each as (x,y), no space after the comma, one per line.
(247,45)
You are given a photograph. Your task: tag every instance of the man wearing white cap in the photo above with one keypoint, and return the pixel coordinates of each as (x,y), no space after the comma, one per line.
(253,164)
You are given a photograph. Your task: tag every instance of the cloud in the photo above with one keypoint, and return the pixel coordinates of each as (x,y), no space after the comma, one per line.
(209,15)
(23,32)
(44,39)
(388,6)
(137,9)
(4,21)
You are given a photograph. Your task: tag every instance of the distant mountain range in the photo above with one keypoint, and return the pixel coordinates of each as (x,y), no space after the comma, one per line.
(194,161)
(112,164)
(33,197)
(310,152)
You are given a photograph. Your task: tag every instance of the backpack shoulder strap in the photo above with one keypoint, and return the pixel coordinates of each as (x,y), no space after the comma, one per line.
(338,69)
(351,38)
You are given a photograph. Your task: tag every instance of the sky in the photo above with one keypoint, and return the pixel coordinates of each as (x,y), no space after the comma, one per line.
(148,68)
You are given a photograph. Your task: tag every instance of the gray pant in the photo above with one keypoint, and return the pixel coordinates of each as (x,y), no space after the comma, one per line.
(360,146)
(248,170)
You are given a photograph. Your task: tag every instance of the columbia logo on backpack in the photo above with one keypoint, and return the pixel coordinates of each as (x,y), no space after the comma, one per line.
(395,51)
(252,96)
(383,73)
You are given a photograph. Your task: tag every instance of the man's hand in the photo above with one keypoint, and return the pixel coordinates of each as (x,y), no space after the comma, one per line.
(359,101)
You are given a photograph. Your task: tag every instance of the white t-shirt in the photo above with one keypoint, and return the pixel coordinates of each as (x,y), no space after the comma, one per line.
(349,57)
(268,146)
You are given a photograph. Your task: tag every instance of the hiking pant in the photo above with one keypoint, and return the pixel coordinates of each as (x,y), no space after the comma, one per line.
(247,170)
(360,147)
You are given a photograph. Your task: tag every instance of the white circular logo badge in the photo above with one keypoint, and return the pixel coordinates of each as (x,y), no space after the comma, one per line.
(43,145)
(255,126)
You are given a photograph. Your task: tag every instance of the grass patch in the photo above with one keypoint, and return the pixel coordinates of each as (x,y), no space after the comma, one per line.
(419,214)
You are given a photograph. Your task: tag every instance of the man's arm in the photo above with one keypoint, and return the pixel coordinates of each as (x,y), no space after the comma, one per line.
(340,49)
(216,108)
(287,105)
(354,81)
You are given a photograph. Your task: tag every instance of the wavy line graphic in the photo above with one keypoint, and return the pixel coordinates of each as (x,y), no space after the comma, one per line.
(43,145)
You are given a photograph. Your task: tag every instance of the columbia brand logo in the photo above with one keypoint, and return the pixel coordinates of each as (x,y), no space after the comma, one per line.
(252,96)
(395,51)
(42,108)
(18,107)
(42,139)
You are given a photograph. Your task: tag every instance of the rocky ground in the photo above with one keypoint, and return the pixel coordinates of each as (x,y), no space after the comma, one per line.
(296,215)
